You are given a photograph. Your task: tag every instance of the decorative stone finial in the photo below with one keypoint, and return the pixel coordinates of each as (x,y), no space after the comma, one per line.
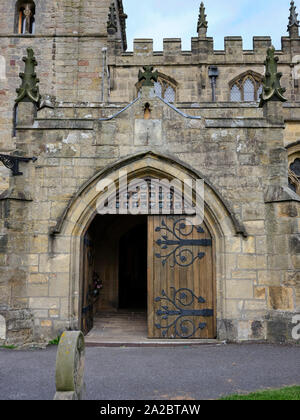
(293,19)
(148,76)
(202,22)
(112,20)
(29,90)
(272,91)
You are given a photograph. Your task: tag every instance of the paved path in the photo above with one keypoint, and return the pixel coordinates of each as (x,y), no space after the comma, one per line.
(205,372)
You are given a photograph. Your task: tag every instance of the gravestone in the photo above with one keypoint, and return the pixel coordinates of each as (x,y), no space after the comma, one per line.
(2,329)
(70,366)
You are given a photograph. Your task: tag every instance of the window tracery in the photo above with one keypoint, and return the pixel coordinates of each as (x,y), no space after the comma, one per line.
(246,87)
(165,88)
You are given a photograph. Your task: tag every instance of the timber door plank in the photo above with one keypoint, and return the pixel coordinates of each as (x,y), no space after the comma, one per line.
(150,267)
(87,316)
(181,299)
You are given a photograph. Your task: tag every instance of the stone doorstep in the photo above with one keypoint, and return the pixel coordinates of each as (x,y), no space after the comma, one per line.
(151,343)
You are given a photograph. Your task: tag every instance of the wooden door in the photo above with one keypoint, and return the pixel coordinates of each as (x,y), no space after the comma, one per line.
(181,292)
(87,314)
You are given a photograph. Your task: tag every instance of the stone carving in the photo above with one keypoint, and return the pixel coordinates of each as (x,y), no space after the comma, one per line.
(293,18)
(272,91)
(148,76)
(47,101)
(112,20)
(202,22)
(70,366)
(29,90)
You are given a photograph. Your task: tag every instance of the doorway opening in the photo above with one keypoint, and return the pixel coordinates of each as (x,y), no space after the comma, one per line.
(133,269)
(114,288)
(166,261)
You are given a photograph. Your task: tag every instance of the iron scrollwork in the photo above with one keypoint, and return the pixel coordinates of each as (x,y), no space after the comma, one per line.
(12,162)
(183,326)
(182,253)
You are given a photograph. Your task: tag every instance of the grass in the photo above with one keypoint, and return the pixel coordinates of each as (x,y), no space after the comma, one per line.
(54,342)
(11,347)
(285,394)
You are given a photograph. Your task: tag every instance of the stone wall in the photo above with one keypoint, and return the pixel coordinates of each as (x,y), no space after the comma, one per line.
(68,43)
(239,149)
(235,154)
(190,68)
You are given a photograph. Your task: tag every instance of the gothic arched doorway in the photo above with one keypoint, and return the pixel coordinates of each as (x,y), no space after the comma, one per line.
(159,264)
(219,223)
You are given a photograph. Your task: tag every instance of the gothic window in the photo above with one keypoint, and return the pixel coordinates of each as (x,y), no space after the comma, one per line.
(246,87)
(294,175)
(165,88)
(236,94)
(169,94)
(25,17)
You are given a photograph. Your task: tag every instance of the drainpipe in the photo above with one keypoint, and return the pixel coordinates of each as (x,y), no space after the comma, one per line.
(213,74)
(105,75)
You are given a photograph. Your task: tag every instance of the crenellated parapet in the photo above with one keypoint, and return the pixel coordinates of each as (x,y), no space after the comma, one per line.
(202,51)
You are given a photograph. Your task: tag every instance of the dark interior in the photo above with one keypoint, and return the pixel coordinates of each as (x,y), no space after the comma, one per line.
(133,269)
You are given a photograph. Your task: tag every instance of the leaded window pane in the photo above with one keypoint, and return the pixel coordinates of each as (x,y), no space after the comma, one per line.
(292,186)
(170,95)
(158,89)
(249,91)
(235,94)
(295,167)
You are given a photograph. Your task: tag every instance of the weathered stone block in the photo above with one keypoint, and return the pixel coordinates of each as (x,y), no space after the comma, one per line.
(240,289)
(281,298)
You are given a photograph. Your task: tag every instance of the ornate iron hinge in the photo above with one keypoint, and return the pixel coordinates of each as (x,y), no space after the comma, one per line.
(12,162)
(181,306)
(182,252)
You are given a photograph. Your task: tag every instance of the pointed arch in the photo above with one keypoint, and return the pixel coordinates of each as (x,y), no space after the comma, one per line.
(67,242)
(165,87)
(246,87)
(145,164)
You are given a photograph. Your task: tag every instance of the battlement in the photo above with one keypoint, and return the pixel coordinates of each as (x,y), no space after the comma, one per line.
(203,49)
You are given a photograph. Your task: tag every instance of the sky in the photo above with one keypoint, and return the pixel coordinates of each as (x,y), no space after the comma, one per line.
(160,19)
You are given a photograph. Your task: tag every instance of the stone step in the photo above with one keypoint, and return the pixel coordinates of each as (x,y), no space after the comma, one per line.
(145,342)
(118,329)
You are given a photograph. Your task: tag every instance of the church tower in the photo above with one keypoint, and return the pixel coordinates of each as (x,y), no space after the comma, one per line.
(69,40)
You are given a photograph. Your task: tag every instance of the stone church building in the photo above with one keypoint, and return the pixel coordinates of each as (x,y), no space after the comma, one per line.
(77,109)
